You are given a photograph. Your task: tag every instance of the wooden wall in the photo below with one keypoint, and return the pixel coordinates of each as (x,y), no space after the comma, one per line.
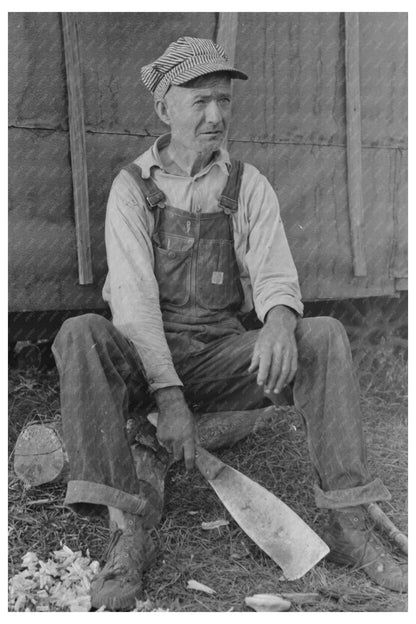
(289,120)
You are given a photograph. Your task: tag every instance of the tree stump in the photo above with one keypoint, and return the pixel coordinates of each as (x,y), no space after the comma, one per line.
(39,454)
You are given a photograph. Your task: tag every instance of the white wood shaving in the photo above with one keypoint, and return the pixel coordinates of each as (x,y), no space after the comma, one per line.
(192,584)
(62,583)
(215,524)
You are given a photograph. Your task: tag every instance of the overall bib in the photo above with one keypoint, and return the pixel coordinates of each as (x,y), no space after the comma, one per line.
(196,268)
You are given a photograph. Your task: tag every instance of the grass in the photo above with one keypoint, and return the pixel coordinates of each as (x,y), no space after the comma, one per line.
(225,559)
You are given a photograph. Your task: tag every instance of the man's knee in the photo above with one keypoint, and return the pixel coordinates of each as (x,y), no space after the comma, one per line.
(82,327)
(320,332)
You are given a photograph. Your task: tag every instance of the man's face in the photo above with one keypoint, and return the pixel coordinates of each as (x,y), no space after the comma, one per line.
(199,116)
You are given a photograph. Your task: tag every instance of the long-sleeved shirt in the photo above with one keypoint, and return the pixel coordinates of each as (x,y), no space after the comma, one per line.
(267,271)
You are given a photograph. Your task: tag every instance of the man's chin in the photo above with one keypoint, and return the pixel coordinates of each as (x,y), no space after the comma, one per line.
(211,141)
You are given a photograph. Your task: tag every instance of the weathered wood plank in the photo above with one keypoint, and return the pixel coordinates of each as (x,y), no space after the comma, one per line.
(78,149)
(227,33)
(399,256)
(353,131)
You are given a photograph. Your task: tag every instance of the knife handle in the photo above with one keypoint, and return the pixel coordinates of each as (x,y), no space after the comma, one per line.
(209,465)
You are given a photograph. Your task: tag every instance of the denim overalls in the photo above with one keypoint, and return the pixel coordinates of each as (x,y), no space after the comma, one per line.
(195,263)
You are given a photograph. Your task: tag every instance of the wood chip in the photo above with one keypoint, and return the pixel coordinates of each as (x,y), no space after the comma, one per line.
(267,602)
(301,598)
(192,584)
(215,524)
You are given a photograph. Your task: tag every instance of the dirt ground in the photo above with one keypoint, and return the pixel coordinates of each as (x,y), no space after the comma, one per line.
(224,559)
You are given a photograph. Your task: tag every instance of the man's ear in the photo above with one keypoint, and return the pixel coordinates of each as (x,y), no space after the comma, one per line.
(162,111)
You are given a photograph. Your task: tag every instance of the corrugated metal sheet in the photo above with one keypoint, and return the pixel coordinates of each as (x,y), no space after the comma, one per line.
(114,48)
(37,88)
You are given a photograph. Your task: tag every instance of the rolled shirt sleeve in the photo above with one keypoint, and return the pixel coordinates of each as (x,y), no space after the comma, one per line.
(272,272)
(131,287)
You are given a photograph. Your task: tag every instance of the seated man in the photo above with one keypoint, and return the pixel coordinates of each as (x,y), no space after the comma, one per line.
(193,239)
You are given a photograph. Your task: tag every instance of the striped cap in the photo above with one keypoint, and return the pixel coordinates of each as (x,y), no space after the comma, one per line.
(184,60)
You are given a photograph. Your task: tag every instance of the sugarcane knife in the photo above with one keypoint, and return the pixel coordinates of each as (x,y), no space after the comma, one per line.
(266,519)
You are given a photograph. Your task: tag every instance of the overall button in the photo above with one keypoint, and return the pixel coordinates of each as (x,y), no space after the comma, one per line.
(171,254)
(198,209)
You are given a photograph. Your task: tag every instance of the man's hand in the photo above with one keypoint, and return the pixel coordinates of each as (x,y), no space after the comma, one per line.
(275,352)
(176,428)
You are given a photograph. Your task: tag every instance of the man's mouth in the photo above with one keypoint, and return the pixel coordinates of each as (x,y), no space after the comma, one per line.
(212,132)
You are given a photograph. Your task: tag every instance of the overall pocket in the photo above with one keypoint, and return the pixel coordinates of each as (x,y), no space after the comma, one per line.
(173,267)
(218,282)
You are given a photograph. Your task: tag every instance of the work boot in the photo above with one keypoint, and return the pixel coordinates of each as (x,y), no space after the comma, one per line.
(129,553)
(353,542)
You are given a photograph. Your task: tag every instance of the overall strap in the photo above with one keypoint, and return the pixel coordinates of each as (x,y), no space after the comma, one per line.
(154,196)
(229,197)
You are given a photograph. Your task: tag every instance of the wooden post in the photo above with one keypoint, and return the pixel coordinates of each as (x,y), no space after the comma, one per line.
(227,37)
(77,146)
(353,123)
(227,33)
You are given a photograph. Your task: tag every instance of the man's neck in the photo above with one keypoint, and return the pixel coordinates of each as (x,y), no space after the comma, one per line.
(179,161)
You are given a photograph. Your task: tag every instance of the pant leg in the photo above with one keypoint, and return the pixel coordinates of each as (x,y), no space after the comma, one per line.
(100,376)
(325,392)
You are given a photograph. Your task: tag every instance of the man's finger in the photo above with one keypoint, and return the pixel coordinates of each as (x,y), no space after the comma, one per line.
(282,379)
(254,364)
(274,370)
(293,365)
(167,444)
(189,454)
(264,367)
(177,451)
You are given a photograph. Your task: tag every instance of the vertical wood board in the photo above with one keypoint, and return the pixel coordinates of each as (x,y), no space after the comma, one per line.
(77,143)
(399,260)
(227,33)
(353,131)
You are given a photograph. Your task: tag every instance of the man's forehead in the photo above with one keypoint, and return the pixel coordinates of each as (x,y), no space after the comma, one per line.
(207,81)
(202,85)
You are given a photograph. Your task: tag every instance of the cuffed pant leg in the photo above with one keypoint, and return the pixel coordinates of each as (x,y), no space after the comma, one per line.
(326,393)
(97,366)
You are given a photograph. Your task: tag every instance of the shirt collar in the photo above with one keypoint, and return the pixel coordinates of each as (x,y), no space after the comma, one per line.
(151,158)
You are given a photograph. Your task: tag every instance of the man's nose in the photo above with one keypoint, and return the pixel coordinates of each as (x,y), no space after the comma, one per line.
(213,113)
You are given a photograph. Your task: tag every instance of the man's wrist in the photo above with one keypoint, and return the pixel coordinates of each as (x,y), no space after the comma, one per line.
(282,313)
(164,396)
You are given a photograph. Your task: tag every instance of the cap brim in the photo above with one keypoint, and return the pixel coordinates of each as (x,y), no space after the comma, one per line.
(208,68)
